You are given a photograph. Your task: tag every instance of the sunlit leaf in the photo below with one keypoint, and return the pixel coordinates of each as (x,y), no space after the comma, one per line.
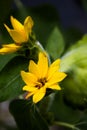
(74,62)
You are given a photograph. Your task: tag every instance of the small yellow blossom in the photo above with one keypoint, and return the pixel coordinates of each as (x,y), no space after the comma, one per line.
(41,76)
(20,34)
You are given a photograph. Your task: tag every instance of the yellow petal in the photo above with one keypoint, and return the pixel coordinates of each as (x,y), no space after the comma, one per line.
(16,24)
(12,45)
(33,68)
(39,94)
(29,88)
(17,36)
(42,65)
(10,48)
(56,63)
(54,86)
(29,78)
(29,94)
(8,29)
(53,68)
(57,77)
(28,24)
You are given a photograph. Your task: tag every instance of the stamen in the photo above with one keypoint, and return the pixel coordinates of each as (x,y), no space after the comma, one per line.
(41,83)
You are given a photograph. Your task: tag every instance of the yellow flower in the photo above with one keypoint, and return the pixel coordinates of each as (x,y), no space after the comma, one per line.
(20,34)
(40,77)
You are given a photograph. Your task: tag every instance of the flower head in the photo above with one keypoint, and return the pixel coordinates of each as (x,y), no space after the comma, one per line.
(41,76)
(20,34)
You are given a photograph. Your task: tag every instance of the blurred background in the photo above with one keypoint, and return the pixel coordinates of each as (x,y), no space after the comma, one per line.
(71,12)
(69,15)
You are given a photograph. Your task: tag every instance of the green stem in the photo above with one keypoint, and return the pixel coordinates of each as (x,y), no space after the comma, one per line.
(40,48)
(58,123)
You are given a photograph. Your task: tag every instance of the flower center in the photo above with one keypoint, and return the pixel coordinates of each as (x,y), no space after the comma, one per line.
(41,83)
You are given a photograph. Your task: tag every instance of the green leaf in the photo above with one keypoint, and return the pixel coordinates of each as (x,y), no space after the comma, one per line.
(75,56)
(10,80)
(74,62)
(63,112)
(79,43)
(4,59)
(55,44)
(27,115)
(75,93)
